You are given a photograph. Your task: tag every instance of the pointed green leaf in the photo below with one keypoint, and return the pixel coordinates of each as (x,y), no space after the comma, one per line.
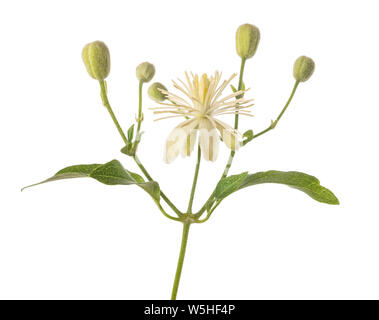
(77,171)
(110,173)
(298,180)
(228,185)
(131,132)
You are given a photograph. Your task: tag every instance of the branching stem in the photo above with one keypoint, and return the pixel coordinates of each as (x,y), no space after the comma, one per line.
(104,97)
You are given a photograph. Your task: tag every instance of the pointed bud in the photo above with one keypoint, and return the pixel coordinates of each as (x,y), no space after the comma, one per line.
(145,71)
(303,68)
(97,60)
(247,40)
(155,92)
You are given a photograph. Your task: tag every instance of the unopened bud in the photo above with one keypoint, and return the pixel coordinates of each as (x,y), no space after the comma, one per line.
(247,40)
(145,71)
(97,60)
(155,92)
(303,68)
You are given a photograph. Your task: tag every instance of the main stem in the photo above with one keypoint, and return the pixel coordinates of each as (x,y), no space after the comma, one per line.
(186,226)
(183,246)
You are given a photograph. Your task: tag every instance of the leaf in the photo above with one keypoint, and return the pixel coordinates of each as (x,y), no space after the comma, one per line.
(131,132)
(110,173)
(77,171)
(228,185)
(298,180)
(129,149)
(248,135)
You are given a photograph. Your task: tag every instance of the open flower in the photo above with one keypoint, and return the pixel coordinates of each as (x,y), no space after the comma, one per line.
(204,104)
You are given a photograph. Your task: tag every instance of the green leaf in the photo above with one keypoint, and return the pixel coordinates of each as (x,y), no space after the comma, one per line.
(152,188)
(228,185)
(77,171)
(131,132)
(129,149)
(297,180)
(110,173)
(248,135)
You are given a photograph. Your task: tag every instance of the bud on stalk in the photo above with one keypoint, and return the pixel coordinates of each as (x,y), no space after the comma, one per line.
(155,92)
(247,40)
(97,60)
(303,68)
(145,71)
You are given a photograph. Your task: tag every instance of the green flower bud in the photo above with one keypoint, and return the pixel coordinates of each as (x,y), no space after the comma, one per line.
(247,40)
(145,71)
(155,93)
(303,68)
(97,60)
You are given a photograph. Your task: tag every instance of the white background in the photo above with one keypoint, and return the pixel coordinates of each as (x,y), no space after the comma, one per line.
(79,239)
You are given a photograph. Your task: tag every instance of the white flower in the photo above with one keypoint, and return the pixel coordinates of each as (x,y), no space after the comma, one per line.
(205,103)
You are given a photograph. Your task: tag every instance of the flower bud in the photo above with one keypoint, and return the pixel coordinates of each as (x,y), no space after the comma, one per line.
(145,71)
(155,92)
(247,40)
(97,60)
(303,68)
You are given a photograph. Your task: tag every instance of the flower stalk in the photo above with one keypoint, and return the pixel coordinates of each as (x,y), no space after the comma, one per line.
(140,115)
(189,210)
(236,117)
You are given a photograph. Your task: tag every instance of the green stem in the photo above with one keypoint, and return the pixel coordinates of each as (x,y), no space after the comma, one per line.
(186,226)
(104,98)
(232,153)
(289,100)
(209,213)
(240,84)
(189,210)
(236,117)
(183,246)
(274,123)
(139,119)
(106,103)
(164,197)
(166,214)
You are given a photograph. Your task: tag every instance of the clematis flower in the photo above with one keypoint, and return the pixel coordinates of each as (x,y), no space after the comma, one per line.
(202,104)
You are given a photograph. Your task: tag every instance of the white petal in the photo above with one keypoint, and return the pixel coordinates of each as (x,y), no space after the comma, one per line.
(189,143)
(173,143)
(208,140)
(178,138)
(229,135)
